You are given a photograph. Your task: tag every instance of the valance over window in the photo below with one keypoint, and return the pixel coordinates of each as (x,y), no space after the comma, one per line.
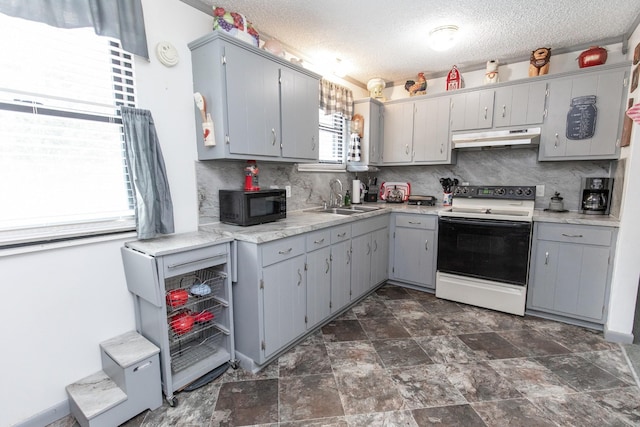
(335,99)
(120,19)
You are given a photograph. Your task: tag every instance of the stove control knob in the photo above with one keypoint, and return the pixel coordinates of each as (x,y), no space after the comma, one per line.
(519,192)
(465,190)
(500,191)
(528,192)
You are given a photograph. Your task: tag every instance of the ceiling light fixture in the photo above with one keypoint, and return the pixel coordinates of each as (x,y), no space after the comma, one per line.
(443,38)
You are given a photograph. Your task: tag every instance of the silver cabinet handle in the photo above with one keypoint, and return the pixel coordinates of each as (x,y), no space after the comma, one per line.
(546,258)
(368,248)
(415,222)
(299,277)
(342,234)
(441,148)
(406,149)
(285,251)
(273,132)
(571,235)
(375,245)
(555,143)
(504,110)
(313,143)
(328,267)
(426,245)
(317,242)
(141,367)
(349,256)
(182,264)
(485,112)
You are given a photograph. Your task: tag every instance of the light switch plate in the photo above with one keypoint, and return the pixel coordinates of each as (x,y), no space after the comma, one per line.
(539,190)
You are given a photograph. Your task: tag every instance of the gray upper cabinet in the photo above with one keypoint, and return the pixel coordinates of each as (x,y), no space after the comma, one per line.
(431,142)
(584,116)
(262,106)
(472,110)
(519,105)
(398,133)
(372,113)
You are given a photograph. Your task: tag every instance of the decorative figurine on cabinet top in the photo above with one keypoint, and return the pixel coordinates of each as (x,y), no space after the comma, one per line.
(454,79)
(539,62)
(417,88)
(491,75)
(375,87)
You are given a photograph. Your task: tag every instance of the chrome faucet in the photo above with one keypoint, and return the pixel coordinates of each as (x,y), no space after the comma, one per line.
(335,194)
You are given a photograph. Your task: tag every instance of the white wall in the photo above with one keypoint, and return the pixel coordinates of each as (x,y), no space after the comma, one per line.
(624,286)
(60,304)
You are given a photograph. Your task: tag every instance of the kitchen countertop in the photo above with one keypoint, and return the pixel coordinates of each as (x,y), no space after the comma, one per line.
(303,221)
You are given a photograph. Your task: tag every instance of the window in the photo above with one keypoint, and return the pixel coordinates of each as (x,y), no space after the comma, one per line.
(332,153)
(62,167)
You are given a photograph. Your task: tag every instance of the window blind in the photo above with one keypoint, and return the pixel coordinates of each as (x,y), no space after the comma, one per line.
(62,168)
(332,138)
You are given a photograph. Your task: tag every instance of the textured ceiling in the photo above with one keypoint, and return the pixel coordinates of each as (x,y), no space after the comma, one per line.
(388,39)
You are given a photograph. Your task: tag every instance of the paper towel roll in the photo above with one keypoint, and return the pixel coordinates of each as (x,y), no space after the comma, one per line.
(355,192)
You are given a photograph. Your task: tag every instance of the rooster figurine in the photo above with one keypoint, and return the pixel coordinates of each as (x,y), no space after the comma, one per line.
(417,88)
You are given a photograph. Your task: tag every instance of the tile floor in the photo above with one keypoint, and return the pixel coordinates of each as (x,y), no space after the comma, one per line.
(404,358)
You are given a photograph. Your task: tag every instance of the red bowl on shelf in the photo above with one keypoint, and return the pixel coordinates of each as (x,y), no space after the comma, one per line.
(204,316)
(182,323)
(177,297)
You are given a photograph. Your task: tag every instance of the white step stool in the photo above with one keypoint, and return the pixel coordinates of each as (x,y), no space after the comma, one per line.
(128,384)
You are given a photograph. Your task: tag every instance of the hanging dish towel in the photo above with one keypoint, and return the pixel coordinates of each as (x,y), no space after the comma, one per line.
(354,148)
(634,113)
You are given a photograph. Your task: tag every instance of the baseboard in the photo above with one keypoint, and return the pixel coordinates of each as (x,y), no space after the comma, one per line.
(618,337)
(47,416)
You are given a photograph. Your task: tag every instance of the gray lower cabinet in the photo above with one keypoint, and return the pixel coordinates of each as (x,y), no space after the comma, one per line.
(262,107)
(340,267)
(318,277)
(368,244)
(414,243)
(571,271)
(584,116)
(271,294)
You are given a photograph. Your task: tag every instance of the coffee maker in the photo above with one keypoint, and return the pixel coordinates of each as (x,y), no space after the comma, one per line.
(595,196)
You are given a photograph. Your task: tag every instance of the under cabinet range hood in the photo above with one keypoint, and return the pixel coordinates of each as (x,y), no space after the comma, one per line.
(508,138)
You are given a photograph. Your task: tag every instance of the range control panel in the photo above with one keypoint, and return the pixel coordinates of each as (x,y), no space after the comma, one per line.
(495,192)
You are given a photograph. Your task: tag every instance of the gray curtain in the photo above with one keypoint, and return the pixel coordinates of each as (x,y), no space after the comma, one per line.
(335,99)
(154,208)
(120,19)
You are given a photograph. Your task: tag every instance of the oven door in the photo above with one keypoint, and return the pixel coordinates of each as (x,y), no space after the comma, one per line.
(484,248)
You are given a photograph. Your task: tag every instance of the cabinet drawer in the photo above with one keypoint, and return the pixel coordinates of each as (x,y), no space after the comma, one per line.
(190,261)
(588,235)
(368,225)
(318,239)
(339,234)
(426,222)
(280,250)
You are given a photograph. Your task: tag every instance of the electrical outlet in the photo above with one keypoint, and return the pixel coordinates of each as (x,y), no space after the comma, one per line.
(539,190)
(287,189)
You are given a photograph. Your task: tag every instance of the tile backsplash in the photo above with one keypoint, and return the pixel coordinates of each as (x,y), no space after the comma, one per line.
(488,167)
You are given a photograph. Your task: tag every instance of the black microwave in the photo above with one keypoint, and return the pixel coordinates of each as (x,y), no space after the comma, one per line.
(252,207)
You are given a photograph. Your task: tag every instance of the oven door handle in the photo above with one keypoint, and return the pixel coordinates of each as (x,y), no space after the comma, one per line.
(492,223)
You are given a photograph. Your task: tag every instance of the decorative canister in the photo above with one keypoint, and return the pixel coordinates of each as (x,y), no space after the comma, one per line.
(595,55)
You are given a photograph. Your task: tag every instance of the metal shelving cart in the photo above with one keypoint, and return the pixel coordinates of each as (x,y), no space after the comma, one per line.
(183,304)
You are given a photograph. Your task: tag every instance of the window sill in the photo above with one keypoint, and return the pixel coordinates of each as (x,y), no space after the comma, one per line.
(47,246)
(321,167)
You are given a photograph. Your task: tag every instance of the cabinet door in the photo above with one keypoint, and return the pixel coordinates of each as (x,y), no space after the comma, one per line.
(398,132)
(300,109)
(379,257)
(340,275)
(253,103)
(375,134)
(607,87)
(571,279)
(431,141)
(520,105)
(284,303)
(472,110)
(361,248)
(318,286)
(414,256)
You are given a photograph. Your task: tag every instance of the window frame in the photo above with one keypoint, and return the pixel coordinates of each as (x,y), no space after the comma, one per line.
(321,166)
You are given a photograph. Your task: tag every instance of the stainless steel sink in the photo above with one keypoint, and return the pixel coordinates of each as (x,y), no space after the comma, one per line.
(352,210)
